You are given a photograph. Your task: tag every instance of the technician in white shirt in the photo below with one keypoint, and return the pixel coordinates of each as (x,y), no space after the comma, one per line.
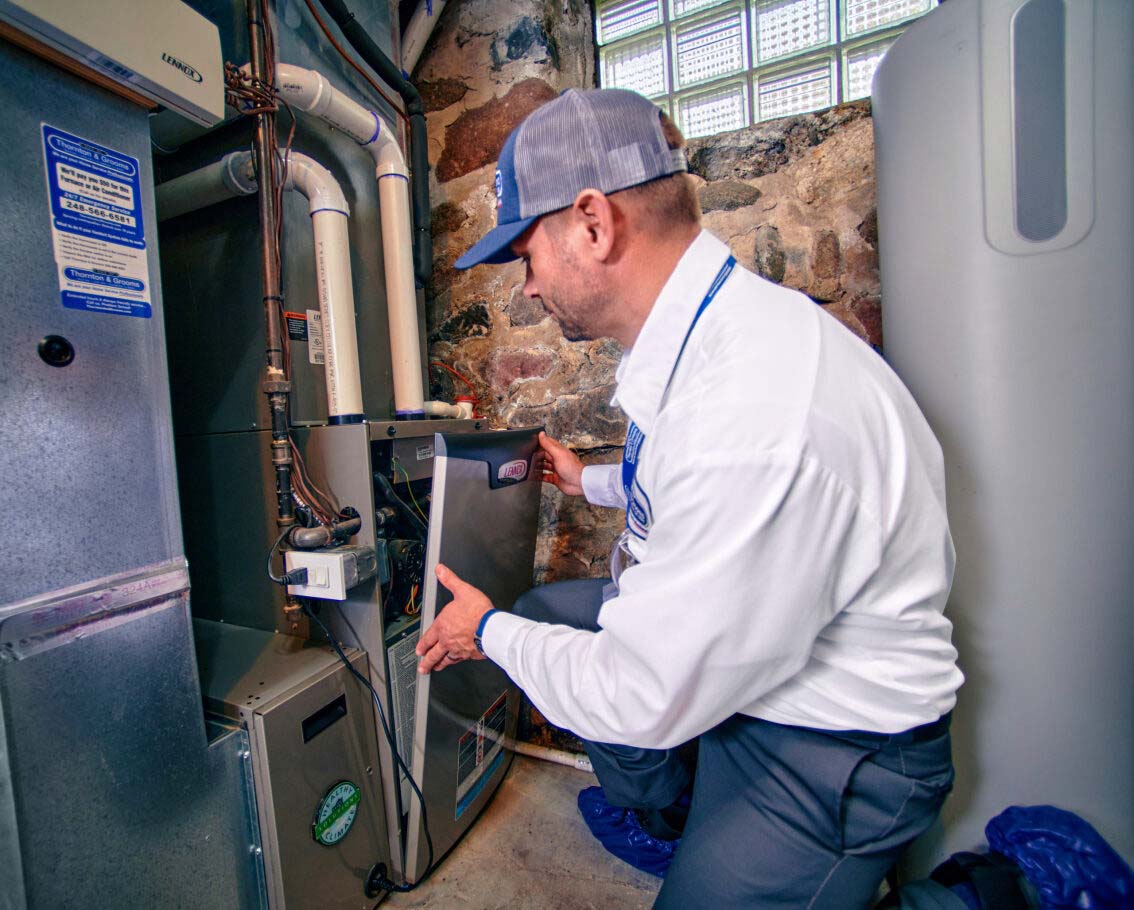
(779,587)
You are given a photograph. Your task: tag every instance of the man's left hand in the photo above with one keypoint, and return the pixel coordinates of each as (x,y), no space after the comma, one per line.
(449,640)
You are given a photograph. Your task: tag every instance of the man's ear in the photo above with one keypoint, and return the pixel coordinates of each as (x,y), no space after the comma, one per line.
(595,220)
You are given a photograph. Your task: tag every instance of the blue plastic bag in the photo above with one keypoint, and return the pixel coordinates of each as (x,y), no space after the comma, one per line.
(618,830)
(1063,857)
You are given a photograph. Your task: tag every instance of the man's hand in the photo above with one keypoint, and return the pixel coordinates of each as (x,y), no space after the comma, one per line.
(561,466)
(449,640)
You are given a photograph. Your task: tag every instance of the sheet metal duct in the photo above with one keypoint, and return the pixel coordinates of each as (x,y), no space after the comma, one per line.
(99,700)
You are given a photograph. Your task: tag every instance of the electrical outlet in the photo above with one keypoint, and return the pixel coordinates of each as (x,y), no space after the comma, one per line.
(332,572)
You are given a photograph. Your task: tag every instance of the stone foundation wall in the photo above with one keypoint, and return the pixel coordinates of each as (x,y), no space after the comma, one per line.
(793,198)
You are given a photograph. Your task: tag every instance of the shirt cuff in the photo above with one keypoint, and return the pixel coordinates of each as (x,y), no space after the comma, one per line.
(496,637)
(601,485)
(480,625)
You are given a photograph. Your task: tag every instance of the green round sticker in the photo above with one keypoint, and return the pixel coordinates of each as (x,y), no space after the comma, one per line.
(336,813)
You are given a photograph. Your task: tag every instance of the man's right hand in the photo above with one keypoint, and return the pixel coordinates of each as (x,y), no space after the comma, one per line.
(561,466)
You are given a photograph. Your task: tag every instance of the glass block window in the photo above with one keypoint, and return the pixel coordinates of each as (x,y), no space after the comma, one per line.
(786,27)
(859,65)
(716,111)
(641,65)
(710,48)
(798,91)
(679,8)
(862,16)
(621,18)
(724,64)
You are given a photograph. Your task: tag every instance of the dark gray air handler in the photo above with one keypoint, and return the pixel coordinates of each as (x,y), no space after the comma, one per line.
(486,490)
(1006,226)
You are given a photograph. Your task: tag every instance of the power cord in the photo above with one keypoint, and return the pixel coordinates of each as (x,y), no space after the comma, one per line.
(295,576)
(378,877)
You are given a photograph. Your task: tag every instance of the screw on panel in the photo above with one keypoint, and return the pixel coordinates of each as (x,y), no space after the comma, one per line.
(256,851)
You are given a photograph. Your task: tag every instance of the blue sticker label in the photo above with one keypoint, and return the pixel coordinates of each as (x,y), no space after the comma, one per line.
(97,225)
(95,303)
(109,281)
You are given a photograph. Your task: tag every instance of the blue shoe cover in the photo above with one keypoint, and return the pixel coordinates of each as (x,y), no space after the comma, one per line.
(618,830)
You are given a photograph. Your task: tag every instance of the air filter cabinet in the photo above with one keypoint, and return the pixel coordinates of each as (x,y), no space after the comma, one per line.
(313,752)
(1003,142)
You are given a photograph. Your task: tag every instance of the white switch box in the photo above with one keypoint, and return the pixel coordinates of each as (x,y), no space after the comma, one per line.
(331,573)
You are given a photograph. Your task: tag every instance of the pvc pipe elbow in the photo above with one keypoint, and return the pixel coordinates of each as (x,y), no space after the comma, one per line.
(312,92)
(462,410)
(315,182)
(304,88)
(388,158)
(389,161)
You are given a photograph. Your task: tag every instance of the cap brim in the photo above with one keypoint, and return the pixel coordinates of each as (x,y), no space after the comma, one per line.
(495,246)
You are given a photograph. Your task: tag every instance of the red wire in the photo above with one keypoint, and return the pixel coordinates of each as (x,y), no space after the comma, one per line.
(436,364)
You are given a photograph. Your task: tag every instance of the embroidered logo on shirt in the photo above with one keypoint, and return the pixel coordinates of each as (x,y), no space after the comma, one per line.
(639,512)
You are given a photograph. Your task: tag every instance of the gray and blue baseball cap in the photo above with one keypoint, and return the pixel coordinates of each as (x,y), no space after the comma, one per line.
(607,139)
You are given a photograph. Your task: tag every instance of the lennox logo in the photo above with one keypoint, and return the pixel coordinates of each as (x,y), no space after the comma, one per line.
(513,471)
(184,67)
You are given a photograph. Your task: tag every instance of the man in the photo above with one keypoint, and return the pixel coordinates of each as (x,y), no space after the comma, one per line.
(778,590)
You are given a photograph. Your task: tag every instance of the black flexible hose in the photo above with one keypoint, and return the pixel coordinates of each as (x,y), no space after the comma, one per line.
(373,55)
(322,536)
(392,497)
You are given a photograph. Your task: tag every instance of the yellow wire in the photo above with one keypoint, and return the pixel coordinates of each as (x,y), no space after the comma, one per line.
(409,486)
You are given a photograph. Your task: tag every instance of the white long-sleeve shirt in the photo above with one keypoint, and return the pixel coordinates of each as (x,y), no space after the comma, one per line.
(798,558)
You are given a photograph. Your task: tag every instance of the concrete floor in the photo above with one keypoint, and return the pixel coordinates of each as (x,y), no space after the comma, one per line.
(530,850)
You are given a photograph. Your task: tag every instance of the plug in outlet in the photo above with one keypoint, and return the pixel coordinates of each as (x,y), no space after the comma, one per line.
(331,573)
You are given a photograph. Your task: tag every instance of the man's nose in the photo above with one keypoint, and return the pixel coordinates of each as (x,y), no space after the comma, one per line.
(530,289)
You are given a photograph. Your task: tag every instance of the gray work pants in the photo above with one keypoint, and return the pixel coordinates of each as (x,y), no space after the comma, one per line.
(783,818)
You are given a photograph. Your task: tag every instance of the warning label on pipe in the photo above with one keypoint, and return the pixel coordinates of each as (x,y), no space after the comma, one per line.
(95,195)
(296,326)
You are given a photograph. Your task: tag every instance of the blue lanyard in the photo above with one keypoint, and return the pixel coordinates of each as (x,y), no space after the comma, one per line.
(634,436)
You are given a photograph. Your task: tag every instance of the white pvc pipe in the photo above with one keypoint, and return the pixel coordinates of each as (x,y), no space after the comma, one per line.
(401,294)
(462,410)
(329,221)
(312,92)
(559,756)
(417,33)
(234,176)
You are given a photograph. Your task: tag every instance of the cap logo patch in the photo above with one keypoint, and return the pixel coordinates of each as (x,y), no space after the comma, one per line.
(499,189)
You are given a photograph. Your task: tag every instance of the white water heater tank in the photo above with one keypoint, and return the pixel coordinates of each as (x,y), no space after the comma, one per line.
(1006,233)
